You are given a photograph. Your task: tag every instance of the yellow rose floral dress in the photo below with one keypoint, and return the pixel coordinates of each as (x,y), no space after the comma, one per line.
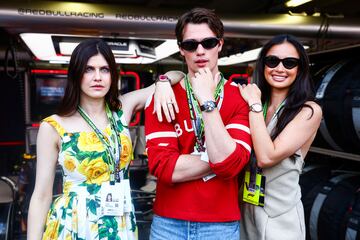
(73,215)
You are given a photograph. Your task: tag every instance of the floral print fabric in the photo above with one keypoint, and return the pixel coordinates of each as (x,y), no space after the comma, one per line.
(75,214)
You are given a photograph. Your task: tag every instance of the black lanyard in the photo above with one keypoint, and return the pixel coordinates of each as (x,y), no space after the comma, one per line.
(195,112)
(112,145)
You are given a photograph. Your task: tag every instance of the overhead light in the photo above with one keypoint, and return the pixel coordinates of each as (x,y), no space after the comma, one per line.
(66,48)
(248,56)
(128,51)
(295,3)
(302,14)
(40,45)
(166,49)
(66,61)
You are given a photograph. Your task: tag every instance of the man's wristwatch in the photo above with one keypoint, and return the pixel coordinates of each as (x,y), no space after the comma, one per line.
(256,107)
(163,78)
(208,106)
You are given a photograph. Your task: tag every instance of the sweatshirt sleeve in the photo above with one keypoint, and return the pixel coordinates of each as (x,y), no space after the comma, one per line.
(162,146)
(238,128)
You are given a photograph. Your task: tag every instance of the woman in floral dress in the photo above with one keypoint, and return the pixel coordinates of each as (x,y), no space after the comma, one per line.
(89,138)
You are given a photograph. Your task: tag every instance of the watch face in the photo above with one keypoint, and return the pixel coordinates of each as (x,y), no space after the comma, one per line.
(208,106)
(257,107)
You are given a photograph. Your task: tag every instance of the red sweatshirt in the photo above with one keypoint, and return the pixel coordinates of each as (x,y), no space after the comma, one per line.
(215,200)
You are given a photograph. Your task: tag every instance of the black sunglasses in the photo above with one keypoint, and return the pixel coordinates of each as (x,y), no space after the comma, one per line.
(288,63)
(191,45)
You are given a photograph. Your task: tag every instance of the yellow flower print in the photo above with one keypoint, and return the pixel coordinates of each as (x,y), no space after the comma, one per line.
(74,223)
(89,142)
(67,186)
(52,230)
(122,223)
(107,131)
(95,170)
(56,125)
(126,152)
(94,227)
(68,236)
(69,163)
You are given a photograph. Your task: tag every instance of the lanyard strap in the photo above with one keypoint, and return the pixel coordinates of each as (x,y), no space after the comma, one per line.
(253,166)
(195,111)
(266,104)
(112,145)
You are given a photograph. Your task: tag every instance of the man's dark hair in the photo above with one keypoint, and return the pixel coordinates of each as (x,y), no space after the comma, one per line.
(197,16)
(78,63)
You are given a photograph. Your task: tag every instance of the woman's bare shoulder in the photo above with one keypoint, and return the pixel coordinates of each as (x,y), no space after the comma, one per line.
(315,109)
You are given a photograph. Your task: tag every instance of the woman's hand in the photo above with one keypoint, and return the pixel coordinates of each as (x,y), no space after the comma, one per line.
(250,93)
(165,101)
(204,84)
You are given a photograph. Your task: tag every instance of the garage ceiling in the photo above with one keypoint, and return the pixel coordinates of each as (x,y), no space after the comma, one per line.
(347,8)
(324,24)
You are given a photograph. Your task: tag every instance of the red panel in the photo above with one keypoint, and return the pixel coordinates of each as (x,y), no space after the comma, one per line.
(14,143)
(49,71)
(236,75)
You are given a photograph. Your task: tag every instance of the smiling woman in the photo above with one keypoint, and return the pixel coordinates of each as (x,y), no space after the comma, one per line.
(283,122)
(281,66)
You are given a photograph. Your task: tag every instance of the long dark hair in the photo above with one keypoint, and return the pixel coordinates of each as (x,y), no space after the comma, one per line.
(301,91)
(78,62)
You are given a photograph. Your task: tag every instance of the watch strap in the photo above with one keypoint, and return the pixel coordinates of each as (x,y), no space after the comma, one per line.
(163,78)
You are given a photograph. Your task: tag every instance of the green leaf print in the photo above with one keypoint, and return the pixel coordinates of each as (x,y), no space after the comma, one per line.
(70,206)
(75,236)
(82,155)
(108,228)
(119,123)
(66,145)
(63,213)
(93,188)
(95,155)
(75,141)
(72,142)
(92,205)
(61,227)
(133,222)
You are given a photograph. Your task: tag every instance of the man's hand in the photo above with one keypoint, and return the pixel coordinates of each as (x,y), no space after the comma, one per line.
(165,101)
(204,84)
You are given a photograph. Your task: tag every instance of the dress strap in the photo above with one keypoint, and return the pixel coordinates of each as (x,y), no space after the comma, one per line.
(50,120)
(120,120)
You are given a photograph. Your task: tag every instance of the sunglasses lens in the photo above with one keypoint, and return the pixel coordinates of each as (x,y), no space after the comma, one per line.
(189,45)
(272,61)
(209,43)
(290,63)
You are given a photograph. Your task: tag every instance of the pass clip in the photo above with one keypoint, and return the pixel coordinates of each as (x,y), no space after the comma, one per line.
(254,184)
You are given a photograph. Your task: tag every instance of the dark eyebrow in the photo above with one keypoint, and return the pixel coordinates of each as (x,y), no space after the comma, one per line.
(90,66)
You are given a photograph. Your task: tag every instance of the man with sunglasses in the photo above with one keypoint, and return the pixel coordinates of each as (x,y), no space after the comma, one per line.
(199,155)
